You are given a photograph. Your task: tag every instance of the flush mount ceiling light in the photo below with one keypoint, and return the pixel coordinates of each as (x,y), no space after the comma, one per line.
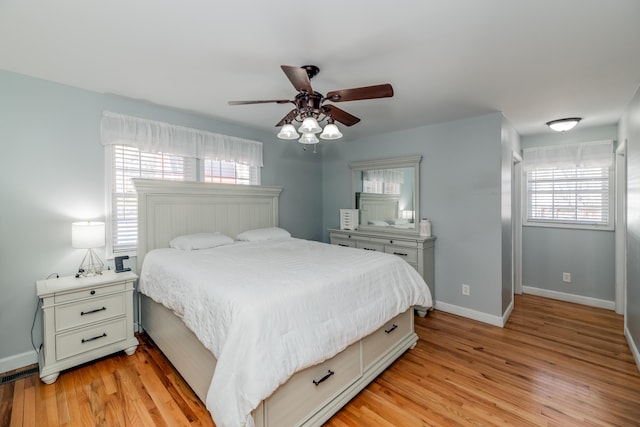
(310,108)
(563,125)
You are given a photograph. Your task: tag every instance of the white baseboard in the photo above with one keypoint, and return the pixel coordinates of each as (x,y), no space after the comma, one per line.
(18,361)
(632,347)
(563,296)
(475,315)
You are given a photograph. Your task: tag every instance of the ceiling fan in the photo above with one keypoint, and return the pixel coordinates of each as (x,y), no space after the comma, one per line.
(310,107)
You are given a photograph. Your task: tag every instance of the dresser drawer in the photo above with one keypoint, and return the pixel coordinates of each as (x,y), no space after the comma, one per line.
(300,396)
(343,242)
(376,344)
(88,311)
(88,293)
(86,339)
(408,254)
(370,246)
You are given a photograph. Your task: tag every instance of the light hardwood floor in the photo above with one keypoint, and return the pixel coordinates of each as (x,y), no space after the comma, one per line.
(554,364)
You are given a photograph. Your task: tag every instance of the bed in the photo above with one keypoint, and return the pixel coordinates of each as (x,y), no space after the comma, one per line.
(310,389)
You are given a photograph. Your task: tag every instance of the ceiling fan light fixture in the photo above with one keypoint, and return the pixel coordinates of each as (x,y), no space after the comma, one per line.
(309,138)
(563,125)
(330,132)
(310,125)
(288,132)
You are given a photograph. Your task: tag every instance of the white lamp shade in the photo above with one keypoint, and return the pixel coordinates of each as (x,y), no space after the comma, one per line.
(308,138)
(87,235)
(288,132)
(310,125)
(331,131)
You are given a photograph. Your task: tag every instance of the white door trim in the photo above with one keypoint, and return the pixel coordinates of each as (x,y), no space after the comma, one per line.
(621,228)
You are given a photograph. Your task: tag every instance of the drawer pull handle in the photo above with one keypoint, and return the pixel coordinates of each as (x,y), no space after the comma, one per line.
(369,249)
(326,377)
(94,338)
(400,253)
(82,313)
(391,329)
(342,244)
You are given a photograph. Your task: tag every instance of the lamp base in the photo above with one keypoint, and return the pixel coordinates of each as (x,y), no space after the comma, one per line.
(91,264)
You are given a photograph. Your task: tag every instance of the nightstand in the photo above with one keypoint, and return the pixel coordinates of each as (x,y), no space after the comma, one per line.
(84,319)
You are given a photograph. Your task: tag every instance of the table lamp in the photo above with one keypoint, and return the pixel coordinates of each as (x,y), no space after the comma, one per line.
(88,235)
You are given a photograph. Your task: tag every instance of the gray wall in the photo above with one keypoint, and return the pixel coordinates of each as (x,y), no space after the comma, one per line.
(460,192)
(588,255)
(53,174)
(630,131)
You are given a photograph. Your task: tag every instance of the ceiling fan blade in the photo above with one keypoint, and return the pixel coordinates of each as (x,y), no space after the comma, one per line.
(366,92)
(340,115)
(267,101)
(298,77)
(288,118)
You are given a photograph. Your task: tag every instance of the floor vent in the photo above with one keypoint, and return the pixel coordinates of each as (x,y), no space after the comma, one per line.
(18,375)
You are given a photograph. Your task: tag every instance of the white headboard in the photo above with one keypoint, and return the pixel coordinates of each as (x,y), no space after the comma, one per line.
(167,209)
(378,207)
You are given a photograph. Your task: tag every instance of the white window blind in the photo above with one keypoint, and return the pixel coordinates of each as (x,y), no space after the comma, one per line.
(578,196)
(570,185)
(127,163)
(225,172)
(386,181)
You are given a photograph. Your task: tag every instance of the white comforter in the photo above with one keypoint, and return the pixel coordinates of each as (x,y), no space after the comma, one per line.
(268,309)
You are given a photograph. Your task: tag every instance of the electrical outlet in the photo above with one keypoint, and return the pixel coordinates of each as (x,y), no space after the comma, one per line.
(466,289)
(566,277)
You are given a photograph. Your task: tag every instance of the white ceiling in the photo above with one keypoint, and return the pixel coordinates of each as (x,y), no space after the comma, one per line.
(534,60)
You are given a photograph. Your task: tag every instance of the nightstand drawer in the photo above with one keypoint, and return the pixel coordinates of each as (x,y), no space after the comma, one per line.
(89,311)
(88,293)
(86,339)
(408,254)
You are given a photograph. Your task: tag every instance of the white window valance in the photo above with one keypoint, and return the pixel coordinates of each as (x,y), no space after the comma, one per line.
(569,156)
(159,137)
(388,176)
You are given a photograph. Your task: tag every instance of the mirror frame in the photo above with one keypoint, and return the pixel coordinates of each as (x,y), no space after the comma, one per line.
(393,163)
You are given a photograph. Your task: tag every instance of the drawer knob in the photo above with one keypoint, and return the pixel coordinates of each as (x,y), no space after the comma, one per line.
(92,292)
(326,377)
(82,313)
(104,334)
(391,329)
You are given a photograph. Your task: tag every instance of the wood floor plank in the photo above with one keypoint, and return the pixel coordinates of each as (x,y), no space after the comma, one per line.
(553,364)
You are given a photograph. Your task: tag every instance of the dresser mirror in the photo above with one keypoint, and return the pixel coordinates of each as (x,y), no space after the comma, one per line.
(386,193)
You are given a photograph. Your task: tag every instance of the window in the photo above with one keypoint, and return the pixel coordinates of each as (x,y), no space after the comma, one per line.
(127,163)
(562,194)
(138,148)
(224,172)
(385,181)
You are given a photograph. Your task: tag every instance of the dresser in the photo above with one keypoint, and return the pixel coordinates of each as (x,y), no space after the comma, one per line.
(413,248)
(85,318)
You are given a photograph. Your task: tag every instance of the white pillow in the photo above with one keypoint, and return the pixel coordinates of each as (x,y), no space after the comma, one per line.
(191,242)
(271,233)
(398,221)
(378,222)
